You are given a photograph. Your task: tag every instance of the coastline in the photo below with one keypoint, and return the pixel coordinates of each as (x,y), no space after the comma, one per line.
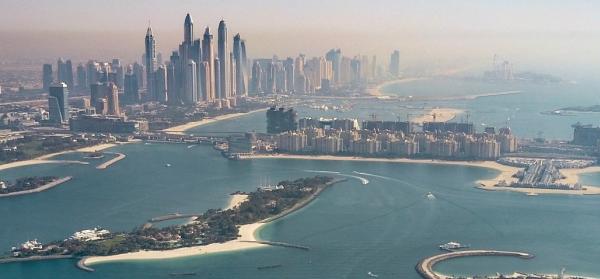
(180,129)
(376,91)
(45,159)
(39,189)
(246,240)
(506,172)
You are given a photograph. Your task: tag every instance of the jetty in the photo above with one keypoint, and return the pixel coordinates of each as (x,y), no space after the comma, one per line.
(81,265)
(119,157)
(280,244)
(425,266)
(38,189)
(172,216)
(34,258)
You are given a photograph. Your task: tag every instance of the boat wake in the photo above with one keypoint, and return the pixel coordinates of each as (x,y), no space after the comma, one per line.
(363,180)
(321,171)
(375,175)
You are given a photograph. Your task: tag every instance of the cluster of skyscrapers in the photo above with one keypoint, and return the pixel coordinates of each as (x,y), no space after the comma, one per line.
(197,72)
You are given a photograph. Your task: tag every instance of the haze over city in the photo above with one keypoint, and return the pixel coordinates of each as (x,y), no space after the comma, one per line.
(299,139)
(533,34)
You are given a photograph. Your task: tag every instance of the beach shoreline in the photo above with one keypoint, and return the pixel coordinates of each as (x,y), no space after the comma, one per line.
(505,172)
(441,115)
(246,240)
(180,129)
(45,159)
(376,91)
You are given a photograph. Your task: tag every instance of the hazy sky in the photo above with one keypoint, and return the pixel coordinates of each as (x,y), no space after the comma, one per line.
(561,34)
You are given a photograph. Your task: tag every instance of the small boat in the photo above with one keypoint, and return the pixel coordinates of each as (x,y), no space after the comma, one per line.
(167,165)
(190,146)
(371,274)
(451,246)
(532,194)
(430,196)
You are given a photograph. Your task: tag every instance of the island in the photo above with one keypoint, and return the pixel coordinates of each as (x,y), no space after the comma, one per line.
(30,184)
(214,226)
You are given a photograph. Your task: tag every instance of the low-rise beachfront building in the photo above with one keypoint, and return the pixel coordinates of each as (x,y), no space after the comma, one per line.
(90,235)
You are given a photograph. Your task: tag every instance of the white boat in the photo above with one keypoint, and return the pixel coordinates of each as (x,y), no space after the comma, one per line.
(453,245)
(372,274)
(430,196)
(167,165)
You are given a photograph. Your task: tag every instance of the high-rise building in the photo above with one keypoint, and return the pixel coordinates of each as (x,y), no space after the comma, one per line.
(209,56)
(223,55)
(65,72)
(131,89)
(139,71)
(395,63)
(150,59)
(241,80)
(257,77)
(191,94)
(204,81)
(82,81)
(335,56)
(47,77)
(160,84)
(188,29)
(217,77)
(105,98)
(58,103)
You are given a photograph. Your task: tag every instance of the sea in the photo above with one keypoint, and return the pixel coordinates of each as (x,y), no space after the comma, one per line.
(384,227)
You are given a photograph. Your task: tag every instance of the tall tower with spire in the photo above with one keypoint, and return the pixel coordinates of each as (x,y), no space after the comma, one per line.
(188,29)
(150,59)
(223,55)
(208,55)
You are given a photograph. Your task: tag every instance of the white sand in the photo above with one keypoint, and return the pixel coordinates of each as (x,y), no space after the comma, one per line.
(236,200)
(376,91)
(45,159)
(441,115)
(506,172)
(246,233)
(180,129)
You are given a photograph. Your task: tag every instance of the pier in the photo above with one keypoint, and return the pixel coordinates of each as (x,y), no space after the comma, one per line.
(172,217)
(34,258)
(38,189)
(120,156)
(280,244)
(425,266)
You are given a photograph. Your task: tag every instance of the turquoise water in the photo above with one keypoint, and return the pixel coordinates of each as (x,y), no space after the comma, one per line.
(384,227)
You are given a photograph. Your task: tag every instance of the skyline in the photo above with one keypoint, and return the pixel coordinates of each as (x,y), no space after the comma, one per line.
(535,35)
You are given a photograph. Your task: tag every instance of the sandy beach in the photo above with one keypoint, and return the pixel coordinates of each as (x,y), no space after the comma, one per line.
(236,200)
(376,91)
(246,233)
(45,159)
(506,172)
(441,115)
(180,129)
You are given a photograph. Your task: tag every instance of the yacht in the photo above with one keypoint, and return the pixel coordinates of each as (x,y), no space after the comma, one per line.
(372,274)
(430,196)
(451,246)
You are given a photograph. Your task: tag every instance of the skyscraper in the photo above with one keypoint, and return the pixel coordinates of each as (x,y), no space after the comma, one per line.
(241,80)
(395,63)
(191,94)
(223,55)
(47,77)
(82,81)
(204,81)
(58,106)
(150,59)
(257,76)
(209,56)
(65,72)
(188,29)
(105,98)
(335,56)
(160,84)
(131,89)
(217,75)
